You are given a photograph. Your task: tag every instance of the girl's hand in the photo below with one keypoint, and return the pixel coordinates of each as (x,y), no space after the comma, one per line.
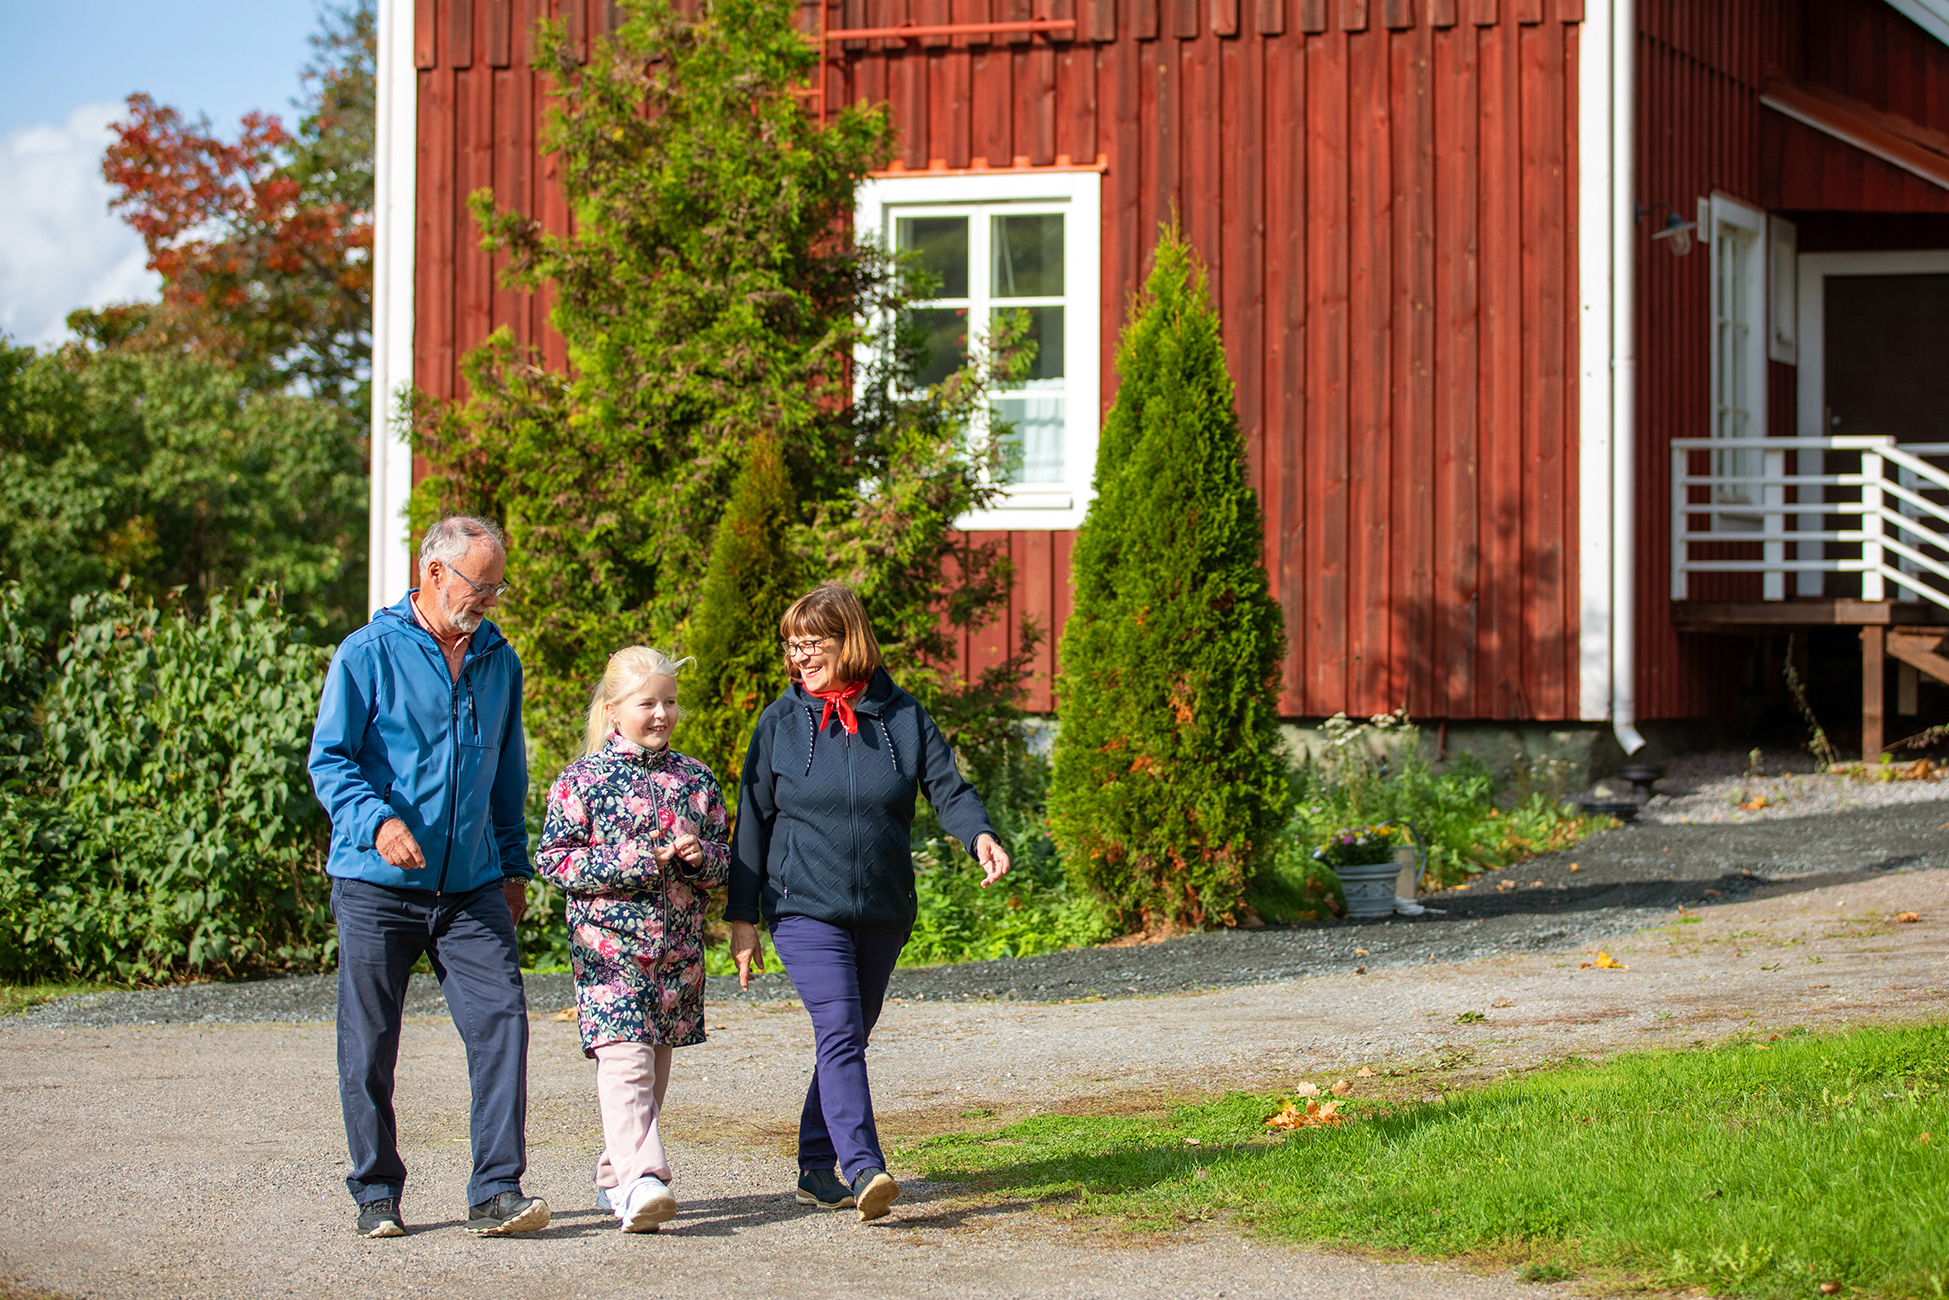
(746,951)
(993,858)
(687,847)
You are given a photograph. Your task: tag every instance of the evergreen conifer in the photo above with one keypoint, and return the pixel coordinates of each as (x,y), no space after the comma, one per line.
(752,578)
(1169,785)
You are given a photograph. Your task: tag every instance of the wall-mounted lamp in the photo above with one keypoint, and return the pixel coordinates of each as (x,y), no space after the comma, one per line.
(1676,229)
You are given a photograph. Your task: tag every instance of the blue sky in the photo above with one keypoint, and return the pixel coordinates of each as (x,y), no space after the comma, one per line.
(65,68)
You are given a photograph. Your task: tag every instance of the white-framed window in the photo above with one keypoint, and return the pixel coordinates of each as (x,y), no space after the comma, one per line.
(1012,242)
(1735,234)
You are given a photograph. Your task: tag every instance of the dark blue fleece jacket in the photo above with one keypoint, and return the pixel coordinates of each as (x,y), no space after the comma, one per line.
(825,819)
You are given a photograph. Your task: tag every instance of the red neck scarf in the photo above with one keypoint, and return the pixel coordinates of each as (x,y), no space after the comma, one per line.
(840,702)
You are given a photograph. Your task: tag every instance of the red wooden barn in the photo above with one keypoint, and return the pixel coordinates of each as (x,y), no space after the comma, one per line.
(1573,339)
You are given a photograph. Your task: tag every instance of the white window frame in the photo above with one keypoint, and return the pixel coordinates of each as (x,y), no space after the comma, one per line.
(1078,195)
(1732,228)
(1782,293)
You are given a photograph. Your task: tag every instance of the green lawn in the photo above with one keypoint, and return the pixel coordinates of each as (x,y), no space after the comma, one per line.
(16,998)
(1754,1168)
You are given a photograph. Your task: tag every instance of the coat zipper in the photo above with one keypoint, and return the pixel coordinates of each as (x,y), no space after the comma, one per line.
(852,816)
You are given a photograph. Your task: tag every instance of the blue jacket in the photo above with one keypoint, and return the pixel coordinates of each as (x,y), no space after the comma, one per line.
(825,819)
(399,736)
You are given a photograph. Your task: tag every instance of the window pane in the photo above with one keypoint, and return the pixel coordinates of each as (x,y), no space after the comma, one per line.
(1035,441)
(942,243)
(1045,331)
(1028,256)
(944,341)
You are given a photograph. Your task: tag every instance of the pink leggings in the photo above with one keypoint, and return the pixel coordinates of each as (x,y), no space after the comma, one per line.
(630,1081)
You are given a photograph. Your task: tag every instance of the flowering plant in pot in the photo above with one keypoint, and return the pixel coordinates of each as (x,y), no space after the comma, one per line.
(1363,857)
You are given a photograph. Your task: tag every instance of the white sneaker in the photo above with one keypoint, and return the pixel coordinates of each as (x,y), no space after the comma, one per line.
(647,1203)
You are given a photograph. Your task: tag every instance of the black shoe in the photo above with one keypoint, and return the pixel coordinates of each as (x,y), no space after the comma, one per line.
(873,1191)
(822,1187)
(381,1219)
(507,1213)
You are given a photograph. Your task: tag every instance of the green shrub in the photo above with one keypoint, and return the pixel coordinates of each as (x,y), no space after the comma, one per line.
(1374,772)
(169,828)
(1169,783)
(753,577)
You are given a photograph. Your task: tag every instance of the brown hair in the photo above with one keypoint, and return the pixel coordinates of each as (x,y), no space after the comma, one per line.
(831,609)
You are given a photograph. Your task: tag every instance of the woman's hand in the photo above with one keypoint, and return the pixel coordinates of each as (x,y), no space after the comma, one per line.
(993,858)
(746,951)
(687,847)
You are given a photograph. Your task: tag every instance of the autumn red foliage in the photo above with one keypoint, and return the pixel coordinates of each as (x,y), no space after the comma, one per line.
(264,241)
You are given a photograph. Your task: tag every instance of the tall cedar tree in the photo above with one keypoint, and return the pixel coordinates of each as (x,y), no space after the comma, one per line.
(1169,785)
(264,243)
(753,576)
(708,300)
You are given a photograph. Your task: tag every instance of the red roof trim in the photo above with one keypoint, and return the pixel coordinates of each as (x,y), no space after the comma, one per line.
(1908,145)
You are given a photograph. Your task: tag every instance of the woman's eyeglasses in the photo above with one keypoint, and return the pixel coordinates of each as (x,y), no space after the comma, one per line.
(800,649)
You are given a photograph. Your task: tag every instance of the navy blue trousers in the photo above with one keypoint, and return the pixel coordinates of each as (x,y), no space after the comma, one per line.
(469,941)
(841,977)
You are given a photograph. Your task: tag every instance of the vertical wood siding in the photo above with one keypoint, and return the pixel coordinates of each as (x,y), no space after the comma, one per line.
(1384,193)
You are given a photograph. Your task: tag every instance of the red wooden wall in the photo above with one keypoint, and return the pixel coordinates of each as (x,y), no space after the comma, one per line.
(1384,193)
(1702,68)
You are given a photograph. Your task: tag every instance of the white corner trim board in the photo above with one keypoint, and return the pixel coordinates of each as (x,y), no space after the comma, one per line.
(1932,16)
(1594,365)
(389,566)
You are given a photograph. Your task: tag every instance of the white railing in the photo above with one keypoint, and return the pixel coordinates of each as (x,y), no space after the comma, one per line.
(1903,533)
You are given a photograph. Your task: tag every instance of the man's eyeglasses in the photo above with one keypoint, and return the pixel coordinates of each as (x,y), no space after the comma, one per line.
(800,649)
(498,590)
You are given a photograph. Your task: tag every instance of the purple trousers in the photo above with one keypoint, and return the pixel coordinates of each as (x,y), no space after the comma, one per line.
(841,977)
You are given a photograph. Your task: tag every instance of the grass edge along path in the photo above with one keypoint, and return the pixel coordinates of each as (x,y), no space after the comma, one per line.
(1801,1166)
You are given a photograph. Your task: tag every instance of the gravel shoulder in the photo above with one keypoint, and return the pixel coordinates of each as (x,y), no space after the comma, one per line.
(201,1155)
(1613,883)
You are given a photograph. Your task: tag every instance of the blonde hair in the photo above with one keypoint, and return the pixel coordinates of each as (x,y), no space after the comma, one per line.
(628,669)
(832,609)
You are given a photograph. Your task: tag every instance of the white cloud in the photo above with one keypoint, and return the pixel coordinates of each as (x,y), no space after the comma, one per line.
(60,248)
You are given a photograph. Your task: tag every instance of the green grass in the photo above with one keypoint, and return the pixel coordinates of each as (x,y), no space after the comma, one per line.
(16,998)
(1747,1171)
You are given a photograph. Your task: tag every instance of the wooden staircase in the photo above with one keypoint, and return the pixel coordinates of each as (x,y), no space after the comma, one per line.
(1912,633)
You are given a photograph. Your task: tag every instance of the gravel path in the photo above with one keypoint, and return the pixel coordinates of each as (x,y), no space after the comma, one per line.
(1725,787)
(193,1135)
(1611,884)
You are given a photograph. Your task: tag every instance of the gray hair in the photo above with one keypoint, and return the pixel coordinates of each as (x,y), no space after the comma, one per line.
(450,539)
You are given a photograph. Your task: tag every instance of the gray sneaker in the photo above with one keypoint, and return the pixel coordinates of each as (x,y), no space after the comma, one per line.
(507,1213)
(381,1219)
(873,1192)
(603,1202)
(823,1188)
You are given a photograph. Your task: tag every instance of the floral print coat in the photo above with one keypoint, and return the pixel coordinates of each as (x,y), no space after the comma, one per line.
(636,927)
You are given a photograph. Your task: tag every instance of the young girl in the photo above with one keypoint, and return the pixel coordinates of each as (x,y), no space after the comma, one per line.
(635,835)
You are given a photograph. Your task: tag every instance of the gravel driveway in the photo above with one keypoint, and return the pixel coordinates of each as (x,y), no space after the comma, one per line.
(190,1142)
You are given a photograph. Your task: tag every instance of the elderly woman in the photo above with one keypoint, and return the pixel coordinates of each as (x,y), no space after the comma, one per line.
(825,814)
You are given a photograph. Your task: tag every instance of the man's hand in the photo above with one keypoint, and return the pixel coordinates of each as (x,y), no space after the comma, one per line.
(516,890)
(746,951)
(993,858)
(397,846)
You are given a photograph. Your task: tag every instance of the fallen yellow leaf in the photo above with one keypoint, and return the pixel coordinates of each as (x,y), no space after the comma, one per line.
(1502,1002)
(1313,1116)
(1360,952)
(1575,867)
(1925,1139)
(1908,918)
(1193,1142)
(1341,1089)
(1363,1073)
(1306,1090)
(566,1013)
(1604,962)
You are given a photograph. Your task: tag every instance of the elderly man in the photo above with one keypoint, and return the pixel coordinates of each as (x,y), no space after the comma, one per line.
(419,759)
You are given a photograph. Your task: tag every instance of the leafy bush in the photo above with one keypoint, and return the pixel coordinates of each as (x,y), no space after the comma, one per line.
(1373,772)
(168,827)
(1169,783)
(163,472)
